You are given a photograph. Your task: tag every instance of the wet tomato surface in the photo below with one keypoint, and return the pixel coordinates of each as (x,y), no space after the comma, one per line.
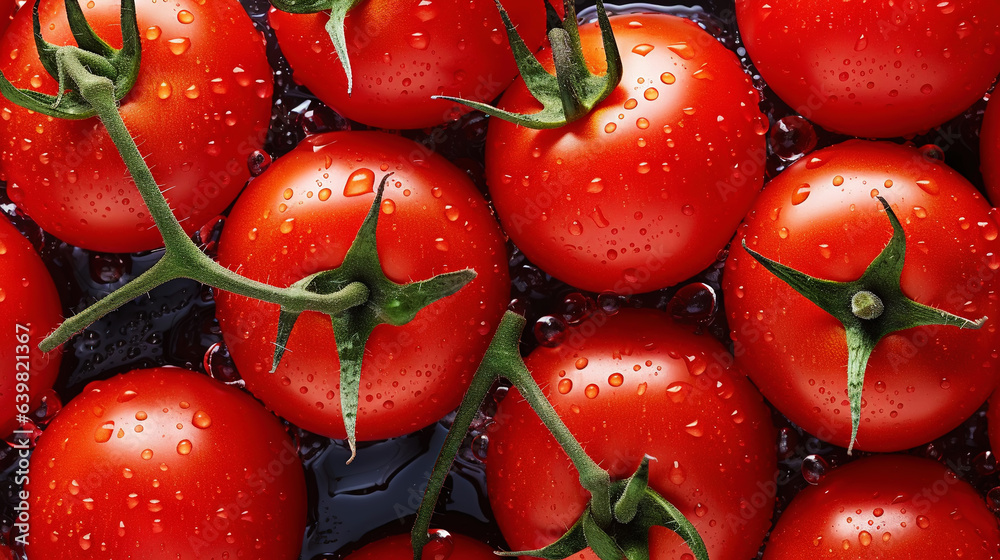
(646,189)
(349,507)
(631,385)
(198,112)
(820,217)
(300,217)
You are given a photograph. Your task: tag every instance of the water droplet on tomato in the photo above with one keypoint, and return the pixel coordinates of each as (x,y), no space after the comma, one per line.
(676,474)
(362,181)
(682,50)
(184,447)
(564,386)
(801,194)
(419,41)
(441,545)
(643,49)
(928,186)
(185,16)
(163,91)
(179,46)
(104,432)
(201,419)
(153,33)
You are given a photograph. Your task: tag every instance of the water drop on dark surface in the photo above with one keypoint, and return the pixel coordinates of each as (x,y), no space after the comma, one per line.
(792,137)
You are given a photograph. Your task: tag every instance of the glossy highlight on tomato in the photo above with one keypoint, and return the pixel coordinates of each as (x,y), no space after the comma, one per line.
(29,310)
(199,108)
(404,51)
(820,217)
(300,217)
(168,462)
(890,506)
(626,386)
(645,190)
(878,68)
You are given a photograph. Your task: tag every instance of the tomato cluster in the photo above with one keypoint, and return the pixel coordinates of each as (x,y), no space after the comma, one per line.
(679,246)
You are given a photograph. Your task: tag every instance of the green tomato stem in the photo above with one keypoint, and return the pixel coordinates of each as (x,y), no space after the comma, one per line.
(182,258)
(503,359)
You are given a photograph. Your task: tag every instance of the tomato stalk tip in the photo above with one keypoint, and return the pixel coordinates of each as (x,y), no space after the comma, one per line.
(867,318)
(620,513)
(384,302)
(334,26)
(574,90)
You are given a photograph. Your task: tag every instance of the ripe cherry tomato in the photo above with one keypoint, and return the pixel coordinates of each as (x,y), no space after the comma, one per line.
(874,69)
(639,384)
(820,217)
(29,310)
(169,462)
(448,546)
(200,107)
(890,506)
(649,187)
(404,51)
(300,217)
(990,150)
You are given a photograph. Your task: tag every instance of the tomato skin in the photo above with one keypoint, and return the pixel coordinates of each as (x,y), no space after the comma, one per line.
(874,69)
(107,491)
(398,548)
(889,506)
(920,383)
(7,9)
(67,174)
(678,400)
(433,221)
(29,310)
(989,138)
(404,51)
(593,203)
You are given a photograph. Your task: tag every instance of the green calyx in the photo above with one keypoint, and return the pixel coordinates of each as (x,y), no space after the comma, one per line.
(386,303)
(574,90)
(63,63)
(334,27)
(616,522)
(357,296)
(870,308)
(637,509)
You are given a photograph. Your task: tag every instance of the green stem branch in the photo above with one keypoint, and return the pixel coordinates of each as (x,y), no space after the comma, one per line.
(182,258)
(502,359)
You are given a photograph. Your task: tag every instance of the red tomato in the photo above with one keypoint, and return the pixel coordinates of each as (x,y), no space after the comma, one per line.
(639,384)
(169,462)
(448,547)
(29,310)
(404,51)
(300,217)
(649,187)
(874,69)
(990,150)
(200,106)
(820,217)
(7,9)
(893,506)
